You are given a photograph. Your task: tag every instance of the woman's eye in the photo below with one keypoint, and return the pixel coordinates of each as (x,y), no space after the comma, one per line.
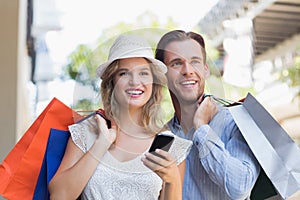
(123,74)
(144,73)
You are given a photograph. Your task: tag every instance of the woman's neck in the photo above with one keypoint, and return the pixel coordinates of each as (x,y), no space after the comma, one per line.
(130,123)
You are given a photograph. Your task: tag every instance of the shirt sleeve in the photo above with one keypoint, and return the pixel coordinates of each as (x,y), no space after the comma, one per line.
(84,133)
(180,149)
(226,157)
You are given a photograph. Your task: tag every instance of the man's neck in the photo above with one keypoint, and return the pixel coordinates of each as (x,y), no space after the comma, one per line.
(185,115)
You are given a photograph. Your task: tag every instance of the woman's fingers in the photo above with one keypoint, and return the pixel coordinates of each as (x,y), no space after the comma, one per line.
(163,165)
(101,122)
(158,160)
(108,134)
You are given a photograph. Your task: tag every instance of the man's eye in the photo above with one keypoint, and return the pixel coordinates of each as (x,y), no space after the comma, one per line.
(176,64)
(196,62)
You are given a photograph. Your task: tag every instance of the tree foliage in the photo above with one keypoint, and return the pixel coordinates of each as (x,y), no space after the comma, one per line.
(291,74)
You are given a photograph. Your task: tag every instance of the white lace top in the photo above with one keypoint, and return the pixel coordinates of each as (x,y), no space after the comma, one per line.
(128,180)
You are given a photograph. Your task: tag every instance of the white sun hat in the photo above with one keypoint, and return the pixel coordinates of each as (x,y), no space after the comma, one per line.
(130,46)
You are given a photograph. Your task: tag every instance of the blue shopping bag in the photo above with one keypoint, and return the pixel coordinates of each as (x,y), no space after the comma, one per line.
(56,146)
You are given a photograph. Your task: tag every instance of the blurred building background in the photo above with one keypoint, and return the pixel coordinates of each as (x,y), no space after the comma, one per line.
(257,40)
(259,44)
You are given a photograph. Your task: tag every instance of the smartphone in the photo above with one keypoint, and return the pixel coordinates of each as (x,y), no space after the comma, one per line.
(161,141)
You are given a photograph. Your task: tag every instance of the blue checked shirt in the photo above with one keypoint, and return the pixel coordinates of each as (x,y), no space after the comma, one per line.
(220,165)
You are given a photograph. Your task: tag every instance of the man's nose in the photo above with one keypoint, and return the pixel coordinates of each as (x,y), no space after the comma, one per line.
(187,68)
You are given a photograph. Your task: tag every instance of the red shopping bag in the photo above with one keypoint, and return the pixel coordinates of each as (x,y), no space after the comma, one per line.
(19,171)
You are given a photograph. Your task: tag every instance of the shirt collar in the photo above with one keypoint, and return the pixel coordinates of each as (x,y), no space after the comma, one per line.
(176,128)
(174,123)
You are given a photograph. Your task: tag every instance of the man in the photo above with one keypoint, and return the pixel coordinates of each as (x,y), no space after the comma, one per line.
(220,164)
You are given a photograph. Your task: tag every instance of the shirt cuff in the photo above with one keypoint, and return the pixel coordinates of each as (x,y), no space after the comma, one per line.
(203,139)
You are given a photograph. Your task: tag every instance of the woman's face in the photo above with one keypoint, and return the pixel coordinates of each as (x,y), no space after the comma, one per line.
(133,82)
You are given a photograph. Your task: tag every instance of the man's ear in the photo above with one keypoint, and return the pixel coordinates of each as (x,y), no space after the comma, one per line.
(207,71)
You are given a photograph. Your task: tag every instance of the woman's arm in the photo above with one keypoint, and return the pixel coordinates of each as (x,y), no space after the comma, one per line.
(73,173)
(168,190)
(171,174)
(76,167)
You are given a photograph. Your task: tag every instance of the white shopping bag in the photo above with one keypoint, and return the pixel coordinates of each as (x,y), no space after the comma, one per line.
(276,152)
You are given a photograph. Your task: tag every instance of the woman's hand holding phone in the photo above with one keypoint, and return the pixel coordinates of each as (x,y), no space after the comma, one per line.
(159,160)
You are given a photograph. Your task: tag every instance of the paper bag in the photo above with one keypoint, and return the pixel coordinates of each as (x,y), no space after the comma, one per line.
(55,151)
(19,171)
(276,152)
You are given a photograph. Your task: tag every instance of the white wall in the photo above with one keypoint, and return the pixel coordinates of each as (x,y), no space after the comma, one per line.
(14,74)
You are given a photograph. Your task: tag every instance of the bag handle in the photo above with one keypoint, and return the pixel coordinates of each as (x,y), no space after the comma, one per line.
(225,102)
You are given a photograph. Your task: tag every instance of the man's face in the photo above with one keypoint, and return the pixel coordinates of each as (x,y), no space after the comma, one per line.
(186,70)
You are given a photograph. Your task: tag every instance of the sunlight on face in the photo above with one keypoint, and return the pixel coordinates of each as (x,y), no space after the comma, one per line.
(133,82)
(186,70)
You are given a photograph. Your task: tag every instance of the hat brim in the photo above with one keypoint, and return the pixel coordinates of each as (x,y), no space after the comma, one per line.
(101,68)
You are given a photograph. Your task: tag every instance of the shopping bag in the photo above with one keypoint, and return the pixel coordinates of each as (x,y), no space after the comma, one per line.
(263,188)
(277,154)
(19,171)
(55,150)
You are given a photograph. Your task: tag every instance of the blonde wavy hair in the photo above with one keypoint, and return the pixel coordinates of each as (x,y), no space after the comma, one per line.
(150,119)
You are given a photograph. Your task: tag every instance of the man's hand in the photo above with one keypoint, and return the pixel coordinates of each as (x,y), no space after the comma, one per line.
(205,112)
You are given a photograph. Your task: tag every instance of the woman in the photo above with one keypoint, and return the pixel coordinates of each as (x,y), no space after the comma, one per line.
(114,163)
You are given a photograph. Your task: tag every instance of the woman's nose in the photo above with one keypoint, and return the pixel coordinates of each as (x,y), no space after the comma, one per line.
(134,79)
